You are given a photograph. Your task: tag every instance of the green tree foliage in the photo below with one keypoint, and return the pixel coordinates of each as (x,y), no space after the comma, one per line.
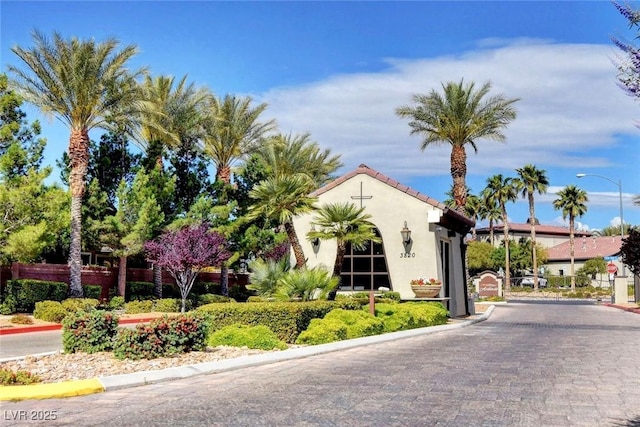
(613,230)
(136,220)
(631,250)
(479,257)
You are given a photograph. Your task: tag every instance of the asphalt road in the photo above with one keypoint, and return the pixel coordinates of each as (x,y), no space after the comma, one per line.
(15,345)
(528,365)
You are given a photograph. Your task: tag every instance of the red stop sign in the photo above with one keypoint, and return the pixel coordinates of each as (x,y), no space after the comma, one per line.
(611,268)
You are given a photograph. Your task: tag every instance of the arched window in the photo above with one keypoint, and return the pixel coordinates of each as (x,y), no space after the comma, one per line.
(366,269)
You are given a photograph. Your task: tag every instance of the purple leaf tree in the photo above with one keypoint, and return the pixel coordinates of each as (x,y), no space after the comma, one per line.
(185,252)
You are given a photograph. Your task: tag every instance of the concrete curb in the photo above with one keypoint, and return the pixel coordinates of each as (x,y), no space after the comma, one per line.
(115,382)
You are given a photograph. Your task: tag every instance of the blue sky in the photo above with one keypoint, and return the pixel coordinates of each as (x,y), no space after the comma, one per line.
(339,69)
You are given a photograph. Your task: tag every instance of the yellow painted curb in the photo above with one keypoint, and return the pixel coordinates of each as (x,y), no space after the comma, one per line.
(48,391)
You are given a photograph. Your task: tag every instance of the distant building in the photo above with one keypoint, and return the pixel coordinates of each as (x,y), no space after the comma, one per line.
(547,235)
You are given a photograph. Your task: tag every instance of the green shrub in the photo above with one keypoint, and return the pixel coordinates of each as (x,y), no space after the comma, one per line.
(72,305)
(166,305)
(21,319)
(163,337)
(9,305)
(341,324)
(397,317)
(9,377)
(49,311)
(89,332)
(201,288)
(92,291)
(138,291)
(359,323)
(116,303)
(26,292)
(286,319)
(211,299)
(257,337)
(170,291)
(322,331)
(135,307)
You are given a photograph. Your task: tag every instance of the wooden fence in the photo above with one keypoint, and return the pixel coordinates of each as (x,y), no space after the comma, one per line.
(106,277)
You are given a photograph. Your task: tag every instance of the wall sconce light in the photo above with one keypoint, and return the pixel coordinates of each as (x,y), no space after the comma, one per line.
(406,234)
(315,242)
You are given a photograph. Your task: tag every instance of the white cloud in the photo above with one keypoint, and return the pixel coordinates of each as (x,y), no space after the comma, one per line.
(570,108)
(559,221)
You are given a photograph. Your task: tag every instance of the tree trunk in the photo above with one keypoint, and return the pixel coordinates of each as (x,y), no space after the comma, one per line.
(295,244)
(491,231)
(458,173)
(122,276)
(572,254)
(224,280)
(157,281)
(78,162)
(534,255)
(337,269)
(507,257)
(224,174)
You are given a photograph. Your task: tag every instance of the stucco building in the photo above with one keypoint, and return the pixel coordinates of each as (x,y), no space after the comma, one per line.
(435,249)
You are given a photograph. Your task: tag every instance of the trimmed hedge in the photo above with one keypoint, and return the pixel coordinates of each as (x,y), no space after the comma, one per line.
(256,337)
(24,293)
(49,311)
(410,315)
(138,291)
(286,319)
(339,325)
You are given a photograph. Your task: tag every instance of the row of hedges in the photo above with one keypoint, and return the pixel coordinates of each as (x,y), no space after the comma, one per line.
(140,291)
(21,296)
(286,319)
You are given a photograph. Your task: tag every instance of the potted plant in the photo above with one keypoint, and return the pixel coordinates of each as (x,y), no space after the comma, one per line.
(426,288)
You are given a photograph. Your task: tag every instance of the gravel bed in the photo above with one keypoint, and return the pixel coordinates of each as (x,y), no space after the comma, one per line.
(79,366)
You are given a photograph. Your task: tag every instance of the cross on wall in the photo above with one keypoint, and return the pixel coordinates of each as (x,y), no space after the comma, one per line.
(361,197)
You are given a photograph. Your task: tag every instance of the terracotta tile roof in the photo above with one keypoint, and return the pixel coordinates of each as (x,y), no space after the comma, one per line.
(586,248)
(540,229)
(364,169)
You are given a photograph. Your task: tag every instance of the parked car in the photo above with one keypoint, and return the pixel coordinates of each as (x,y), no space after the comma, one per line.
(528,281)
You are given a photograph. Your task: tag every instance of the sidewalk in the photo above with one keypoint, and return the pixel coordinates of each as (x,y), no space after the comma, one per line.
(97,385)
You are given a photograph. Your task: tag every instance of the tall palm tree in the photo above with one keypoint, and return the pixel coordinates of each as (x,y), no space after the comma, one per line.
(532,180)
(233,132)
(572,201)
(459,116)
(501,190)
(345,223)
(295,167)
(85,85)
(282,198)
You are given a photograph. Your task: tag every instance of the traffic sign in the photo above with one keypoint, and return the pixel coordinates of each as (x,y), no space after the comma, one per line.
(610,258)
(611,268)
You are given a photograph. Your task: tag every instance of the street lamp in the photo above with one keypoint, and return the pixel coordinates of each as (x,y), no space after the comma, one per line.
(619,184)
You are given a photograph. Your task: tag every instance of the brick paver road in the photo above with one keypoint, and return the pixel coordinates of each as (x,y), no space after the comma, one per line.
(528,365)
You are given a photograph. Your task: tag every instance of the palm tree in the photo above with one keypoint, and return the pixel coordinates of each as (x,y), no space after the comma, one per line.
(233,132)
(281,198)
(86,85)
(295,167)
(345,223)
(532,180)
(501,190)
(459,116)
(572,202)
(491,211)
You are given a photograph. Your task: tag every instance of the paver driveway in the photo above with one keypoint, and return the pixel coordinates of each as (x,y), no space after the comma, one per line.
(528,365)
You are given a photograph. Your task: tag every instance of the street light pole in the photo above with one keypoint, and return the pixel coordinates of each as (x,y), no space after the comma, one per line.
(619,184)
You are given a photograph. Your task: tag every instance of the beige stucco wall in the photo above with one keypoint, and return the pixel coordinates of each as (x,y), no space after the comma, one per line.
(389,209)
